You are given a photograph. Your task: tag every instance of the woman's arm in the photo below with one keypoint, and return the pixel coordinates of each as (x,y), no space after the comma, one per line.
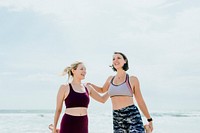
(140,101)
(95,95)
(59,104)
(102,89)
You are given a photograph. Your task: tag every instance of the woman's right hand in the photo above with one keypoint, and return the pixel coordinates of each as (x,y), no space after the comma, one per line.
(151,126)
(147,129)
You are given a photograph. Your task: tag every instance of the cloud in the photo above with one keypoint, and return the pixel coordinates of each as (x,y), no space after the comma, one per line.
(160,38)
(39,77)
(8,73)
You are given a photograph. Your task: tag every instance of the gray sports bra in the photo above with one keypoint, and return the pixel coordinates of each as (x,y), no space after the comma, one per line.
(123,89)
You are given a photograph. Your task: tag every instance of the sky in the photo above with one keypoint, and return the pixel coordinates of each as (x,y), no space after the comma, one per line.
(39,38)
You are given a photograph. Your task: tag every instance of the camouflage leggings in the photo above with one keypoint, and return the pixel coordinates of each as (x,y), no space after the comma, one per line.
(127,120)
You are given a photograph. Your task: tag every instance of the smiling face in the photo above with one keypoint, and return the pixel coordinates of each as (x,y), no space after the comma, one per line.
(79,72)
(118,61)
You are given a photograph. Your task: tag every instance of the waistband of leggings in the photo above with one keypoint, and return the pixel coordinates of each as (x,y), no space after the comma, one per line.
(130,106)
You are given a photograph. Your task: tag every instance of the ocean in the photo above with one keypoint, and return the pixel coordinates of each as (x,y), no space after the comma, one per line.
(37,121)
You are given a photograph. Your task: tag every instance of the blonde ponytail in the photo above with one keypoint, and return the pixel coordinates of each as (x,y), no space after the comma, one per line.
(68,70)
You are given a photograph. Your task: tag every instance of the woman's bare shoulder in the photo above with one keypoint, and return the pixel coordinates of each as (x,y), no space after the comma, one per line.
(133,78)
(64,87)
(109,78)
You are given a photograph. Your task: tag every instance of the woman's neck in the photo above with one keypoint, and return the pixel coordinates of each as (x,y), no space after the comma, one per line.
(76,82)
(121,74)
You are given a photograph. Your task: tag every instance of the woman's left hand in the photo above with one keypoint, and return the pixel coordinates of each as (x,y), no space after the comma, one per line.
(151,126)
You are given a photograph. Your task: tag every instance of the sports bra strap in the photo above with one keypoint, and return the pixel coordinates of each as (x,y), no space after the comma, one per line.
(86,89)
(128,83)
(70,86)
(112,79)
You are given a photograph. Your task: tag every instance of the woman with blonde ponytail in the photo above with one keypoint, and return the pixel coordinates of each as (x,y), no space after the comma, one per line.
(75,95)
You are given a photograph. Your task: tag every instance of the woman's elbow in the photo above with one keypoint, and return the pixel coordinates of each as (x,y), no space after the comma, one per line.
(101,90)
(58,110)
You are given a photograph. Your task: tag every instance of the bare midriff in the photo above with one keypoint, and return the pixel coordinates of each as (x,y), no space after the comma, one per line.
(119,102)
(76,111)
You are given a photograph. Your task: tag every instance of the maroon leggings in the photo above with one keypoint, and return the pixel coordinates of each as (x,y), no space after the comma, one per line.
(74,124)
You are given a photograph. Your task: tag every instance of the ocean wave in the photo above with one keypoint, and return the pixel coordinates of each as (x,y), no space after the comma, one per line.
(156,114)
(4,111)
(176,114)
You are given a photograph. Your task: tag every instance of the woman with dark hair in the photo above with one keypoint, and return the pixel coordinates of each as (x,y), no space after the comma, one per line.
(121,89)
